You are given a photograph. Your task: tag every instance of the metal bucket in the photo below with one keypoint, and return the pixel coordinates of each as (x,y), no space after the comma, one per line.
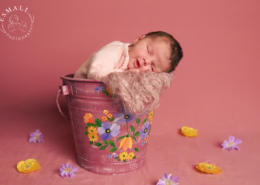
(108,140)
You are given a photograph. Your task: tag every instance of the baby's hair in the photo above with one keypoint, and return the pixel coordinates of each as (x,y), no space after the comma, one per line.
(176,49)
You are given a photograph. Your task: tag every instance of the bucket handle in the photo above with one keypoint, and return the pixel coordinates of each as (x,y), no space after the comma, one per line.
(64,90)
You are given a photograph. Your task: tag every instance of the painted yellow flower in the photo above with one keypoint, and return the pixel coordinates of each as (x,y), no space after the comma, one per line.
(109,91)
(189,132)
(131,155)
(30,165)
(92,137)
(110,115)
(208,168)
(92,130)
(104,118)
(126,143)
(88,118)
(123,156)
(150,115)
(105,112)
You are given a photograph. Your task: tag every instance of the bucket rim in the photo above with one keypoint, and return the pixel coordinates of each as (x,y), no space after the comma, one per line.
(66,77)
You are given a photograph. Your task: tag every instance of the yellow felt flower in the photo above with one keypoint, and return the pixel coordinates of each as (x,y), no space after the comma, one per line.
(208,168)
(123,156)
(92,130)
(88,118)
(30,165)
(104,118)
(92,137)
(105,112)
(189,132)
(126,143)
(109,91)
(131,155)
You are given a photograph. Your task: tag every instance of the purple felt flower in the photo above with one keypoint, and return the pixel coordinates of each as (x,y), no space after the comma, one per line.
(168,180)
(231,143)
(107,131)
(36,136)
(124,117)
(67,170)
(145,130)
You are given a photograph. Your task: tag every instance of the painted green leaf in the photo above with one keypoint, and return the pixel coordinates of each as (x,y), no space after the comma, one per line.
(112,119)
(98,122)
(134,157)
(136,149)
(133,129)
(124,160)
(144,120)
(98,144)
(120,138)
(86,133)
(109,119)
(137,120)
(86,127)
(113,149)
(105,142)
(102,147)
(104,91)
(134,138)
(112,143)
(137,134)
(91,142)
(117,158)
(91,125)
(107,93)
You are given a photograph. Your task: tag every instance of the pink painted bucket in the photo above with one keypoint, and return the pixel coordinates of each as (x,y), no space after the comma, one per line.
(108,140)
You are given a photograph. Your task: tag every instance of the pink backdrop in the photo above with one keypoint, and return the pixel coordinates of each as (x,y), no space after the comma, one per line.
(216,88)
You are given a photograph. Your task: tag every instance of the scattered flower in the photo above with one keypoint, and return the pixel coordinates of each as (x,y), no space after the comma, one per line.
(97,89)
(109,91)
(208,168)
(150,115)
(30,165)
(126,143)
(68,170)
(36,136)
(105,112)
(110,115)
(88,118)
(189,132)
(145,130)
(143,143)
(131,155)
(231,143)
(109,156)
(92,129)
(104,118)
(115,155)
(168,180)
(101,87)
(123,155)
(107,131)
(124,117)
(146,139)
(92,137)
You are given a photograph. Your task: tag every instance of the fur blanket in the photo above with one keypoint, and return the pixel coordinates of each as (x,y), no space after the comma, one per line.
(137,92)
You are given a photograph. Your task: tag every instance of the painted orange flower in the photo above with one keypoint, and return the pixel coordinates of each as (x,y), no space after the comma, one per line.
(88,118)
(146,139)
(208,168)
(131,155)
(92,137)
(123,156)
(104,118)
(92,130)
(189,132)
(126,143)
(150,115)
(110,115)
(109,91)
(30,165)
(105,112)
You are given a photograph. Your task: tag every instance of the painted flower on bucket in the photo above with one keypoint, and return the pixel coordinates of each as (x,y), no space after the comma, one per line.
(92,137)
(168,180)
(231,143)
(88,118)
(36,136)
(208,168)
(126,143)
(92,129)
(67,170)
(107,131)
(123,155)
(124,117)
(145,130)
(189,132)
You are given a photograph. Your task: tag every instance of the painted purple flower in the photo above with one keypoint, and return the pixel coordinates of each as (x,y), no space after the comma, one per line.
(67,170)
(109,156)
(145,130)
(97,89)
(143,143)
(36,136)
(107,131)
(124,117)
(101,87)
(115,155)
(168,180)
(231,143)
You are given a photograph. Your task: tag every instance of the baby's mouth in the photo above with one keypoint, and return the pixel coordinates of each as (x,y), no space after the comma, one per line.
(137,64)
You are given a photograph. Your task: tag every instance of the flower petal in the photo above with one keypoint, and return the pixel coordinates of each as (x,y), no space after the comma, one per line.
(165,176)
(101,130)
(231,138)
(106,136)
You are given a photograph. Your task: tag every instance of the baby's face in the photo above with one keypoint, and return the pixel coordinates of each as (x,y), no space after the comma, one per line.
(150,54)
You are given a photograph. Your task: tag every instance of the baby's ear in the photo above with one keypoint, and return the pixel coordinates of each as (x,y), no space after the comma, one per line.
(139,38)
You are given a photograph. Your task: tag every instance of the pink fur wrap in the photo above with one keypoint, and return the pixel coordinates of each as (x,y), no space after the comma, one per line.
(138,92)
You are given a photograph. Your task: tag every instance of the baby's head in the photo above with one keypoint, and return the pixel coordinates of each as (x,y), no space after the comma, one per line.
(155,51)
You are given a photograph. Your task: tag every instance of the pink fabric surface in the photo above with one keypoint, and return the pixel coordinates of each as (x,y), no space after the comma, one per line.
(216,88)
